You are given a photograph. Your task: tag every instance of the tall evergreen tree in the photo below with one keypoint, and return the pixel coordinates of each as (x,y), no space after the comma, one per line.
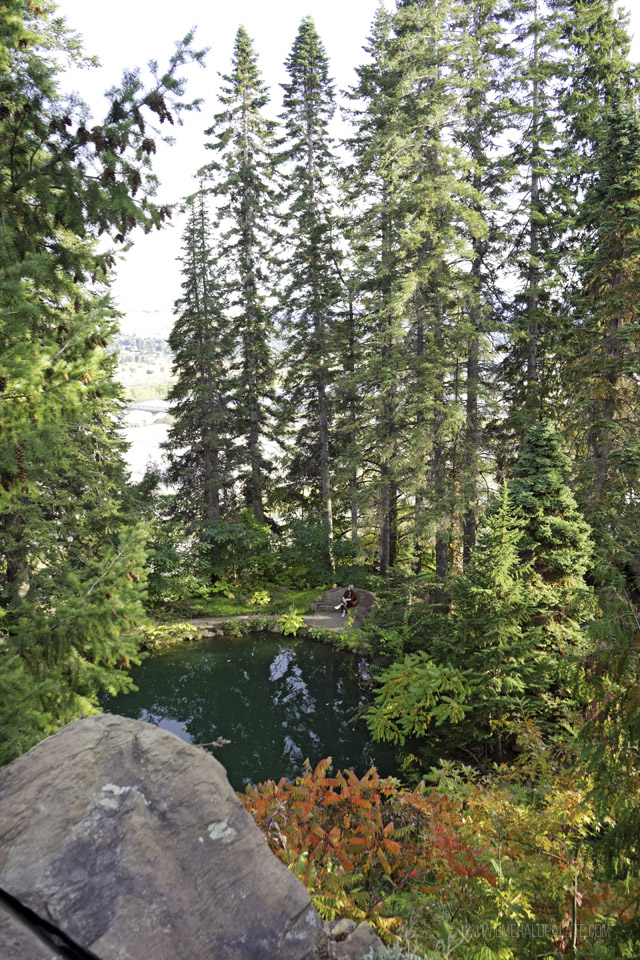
(243,180)
(62,179)
(486,116)
(201,441)
(434,199)
(572,61)
(601,347)
(375,237)
(537,218)
(72,551)
(312,288)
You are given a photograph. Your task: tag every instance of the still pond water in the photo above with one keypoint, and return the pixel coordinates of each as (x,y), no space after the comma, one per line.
(278,700)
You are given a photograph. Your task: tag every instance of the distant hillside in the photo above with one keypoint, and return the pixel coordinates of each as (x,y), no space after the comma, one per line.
(140,349)
(144,366)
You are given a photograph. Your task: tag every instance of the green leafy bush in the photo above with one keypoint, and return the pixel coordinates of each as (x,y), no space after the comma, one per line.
(291,622)
(220,586)
(165,635)
(261,598)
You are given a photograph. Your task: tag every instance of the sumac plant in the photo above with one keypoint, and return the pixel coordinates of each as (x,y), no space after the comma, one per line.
(355,842)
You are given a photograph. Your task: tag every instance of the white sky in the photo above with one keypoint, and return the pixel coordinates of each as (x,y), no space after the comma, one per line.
(129,33)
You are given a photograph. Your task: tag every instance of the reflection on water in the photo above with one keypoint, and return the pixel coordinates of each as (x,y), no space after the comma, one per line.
(277,700)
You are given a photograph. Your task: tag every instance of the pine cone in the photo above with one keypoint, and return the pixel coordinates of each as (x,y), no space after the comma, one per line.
(136,181)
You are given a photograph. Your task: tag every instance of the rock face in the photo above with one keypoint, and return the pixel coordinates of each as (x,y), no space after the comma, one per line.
(134,844)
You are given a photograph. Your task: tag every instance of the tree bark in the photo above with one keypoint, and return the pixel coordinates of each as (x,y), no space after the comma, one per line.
(319,324)
(393,524)
(533,274)
(211,453)
(383,556)
(472,438)
(439,475)
(14,550)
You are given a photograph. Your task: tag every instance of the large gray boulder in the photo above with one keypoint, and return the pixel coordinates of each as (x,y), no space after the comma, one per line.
(134,844)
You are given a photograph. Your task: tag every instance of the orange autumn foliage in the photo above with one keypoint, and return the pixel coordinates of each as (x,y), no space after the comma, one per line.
(354,841)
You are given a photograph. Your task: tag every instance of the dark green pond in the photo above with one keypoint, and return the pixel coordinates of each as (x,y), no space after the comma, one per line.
(278,700)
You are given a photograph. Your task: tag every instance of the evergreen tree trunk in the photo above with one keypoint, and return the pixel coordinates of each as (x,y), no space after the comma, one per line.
(393,524)
(601,435)
(255,460)
(15,554)
(533,279)
(419,504)
(472,429)
(383,555)
(353,415)
(472,440)
(350,398)
(325,476)
(212,478)
(441,499)
(321,342)
(212,482)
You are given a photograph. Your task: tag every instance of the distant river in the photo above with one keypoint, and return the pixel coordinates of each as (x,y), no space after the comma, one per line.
(144,434)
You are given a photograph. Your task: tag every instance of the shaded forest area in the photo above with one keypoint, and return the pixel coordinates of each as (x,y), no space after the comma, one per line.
(409,361)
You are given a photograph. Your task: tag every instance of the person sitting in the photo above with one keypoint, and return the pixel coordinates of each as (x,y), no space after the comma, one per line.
(349,600)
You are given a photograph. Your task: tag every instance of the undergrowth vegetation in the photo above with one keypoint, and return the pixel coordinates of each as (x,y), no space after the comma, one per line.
(471,867)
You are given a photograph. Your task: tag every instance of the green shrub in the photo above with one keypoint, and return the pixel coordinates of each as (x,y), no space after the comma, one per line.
(166,635)
(261,598)
(291,622)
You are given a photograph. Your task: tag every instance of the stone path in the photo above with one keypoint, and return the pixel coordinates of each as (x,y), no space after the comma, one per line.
(323,614)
